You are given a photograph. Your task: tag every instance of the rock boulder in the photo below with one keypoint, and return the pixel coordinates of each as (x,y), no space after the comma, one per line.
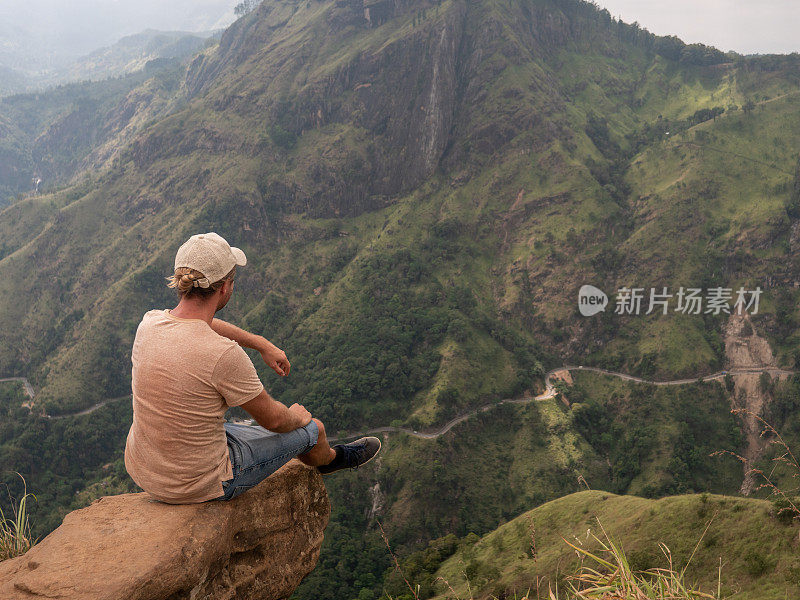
(259,545)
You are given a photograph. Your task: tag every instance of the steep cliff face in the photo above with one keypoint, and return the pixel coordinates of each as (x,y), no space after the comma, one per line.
(15,161)
(323,69)
(415,95)
(392,90)
(258,546)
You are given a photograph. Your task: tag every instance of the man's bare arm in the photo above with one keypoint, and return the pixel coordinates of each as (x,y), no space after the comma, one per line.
(239,335)
(272,355)
(274,415)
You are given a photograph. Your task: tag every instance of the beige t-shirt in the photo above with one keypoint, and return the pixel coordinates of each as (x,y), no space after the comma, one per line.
(184,377)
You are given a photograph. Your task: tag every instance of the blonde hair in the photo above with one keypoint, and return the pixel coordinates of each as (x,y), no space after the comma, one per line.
(186,282)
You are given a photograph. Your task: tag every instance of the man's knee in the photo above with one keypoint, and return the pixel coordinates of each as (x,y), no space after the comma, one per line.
(320,426)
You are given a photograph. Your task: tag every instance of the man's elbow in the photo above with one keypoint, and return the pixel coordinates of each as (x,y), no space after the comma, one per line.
(266,412)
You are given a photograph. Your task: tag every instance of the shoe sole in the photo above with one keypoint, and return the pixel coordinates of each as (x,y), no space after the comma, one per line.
(380,445)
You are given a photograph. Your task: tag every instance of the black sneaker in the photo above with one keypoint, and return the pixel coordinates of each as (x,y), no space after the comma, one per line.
(352,455)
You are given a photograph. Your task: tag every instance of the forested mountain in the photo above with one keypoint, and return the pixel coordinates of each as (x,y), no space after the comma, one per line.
(421,189)
(48,137)
(146,50)
(42,37)
(54,136)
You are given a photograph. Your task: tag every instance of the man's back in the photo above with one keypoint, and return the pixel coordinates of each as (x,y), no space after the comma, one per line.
(184,377)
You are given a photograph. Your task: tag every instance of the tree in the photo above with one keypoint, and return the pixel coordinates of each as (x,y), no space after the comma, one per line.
(245,7)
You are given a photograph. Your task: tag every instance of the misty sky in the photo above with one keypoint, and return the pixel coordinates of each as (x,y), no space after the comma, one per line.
(37,34)
(34,30)
(88,19)
(746,26)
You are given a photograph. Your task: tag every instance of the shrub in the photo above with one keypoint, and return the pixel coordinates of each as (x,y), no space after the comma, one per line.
(785,510)
(756,563)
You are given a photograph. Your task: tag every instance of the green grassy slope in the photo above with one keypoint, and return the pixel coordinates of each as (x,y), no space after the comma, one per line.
(658,440)
(757,549)
(483,472)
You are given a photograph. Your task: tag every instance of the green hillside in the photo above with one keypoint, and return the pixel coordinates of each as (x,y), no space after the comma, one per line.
(448,212)
(12,396)
(505,461)
(420,195)
(759,560)
(531,175)
(134,53)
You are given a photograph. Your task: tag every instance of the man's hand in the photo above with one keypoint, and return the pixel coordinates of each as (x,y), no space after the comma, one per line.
(275,358)
(301,414)
(272,355)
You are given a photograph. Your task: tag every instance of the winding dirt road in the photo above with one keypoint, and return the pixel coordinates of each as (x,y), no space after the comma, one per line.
(29,391)
(550,392)
(89,410)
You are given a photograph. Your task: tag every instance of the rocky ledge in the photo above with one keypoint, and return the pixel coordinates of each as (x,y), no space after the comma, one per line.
(259,545)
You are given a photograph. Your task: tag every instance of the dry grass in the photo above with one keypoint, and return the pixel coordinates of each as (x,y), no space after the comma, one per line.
(15,532)
(610,577)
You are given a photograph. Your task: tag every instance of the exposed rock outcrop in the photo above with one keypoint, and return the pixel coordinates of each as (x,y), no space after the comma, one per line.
(745,349)
(259,545)
(401,98)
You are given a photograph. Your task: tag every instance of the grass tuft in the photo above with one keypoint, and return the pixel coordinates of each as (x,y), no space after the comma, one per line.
(610,576)
(15,532)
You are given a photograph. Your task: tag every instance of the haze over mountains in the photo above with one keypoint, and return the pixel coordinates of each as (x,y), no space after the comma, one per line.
(41,40)
(149,49)
(42,34)
(421,189)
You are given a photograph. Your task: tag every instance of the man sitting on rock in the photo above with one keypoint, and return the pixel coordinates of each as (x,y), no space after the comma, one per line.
(188,368)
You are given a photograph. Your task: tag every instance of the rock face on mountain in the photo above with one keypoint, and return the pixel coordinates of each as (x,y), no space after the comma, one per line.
(401,99)
(258,546)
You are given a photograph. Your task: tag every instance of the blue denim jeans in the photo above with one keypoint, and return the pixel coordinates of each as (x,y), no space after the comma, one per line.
(256,453)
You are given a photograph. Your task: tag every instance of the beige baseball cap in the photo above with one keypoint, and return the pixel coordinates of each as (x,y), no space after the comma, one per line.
(210,254)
